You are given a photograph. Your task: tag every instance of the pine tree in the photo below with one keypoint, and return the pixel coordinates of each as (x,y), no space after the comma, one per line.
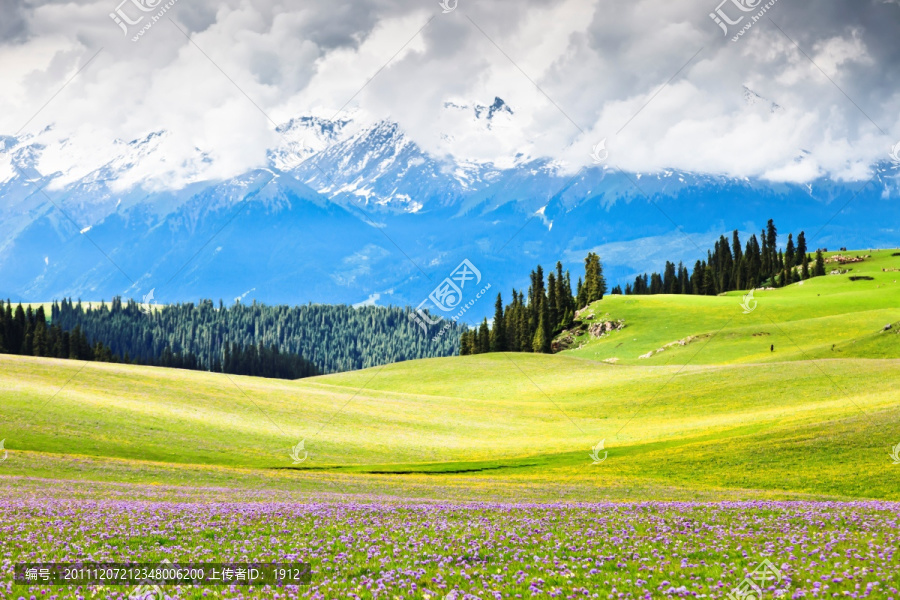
(803,253)
(697,278)
(820,264)
(779,266)
(709,281)
(526,334)
(656,284)
(669,279)
(538,341)
(511,322)
(801,244)
(552,303)
(464,347)
(789,260)
(41,342)
(498,331)
(594,282)
(772,243)
(570,299)
(484,338)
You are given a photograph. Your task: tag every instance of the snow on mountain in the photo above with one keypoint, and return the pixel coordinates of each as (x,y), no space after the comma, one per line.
(379,166)
(305,136)
(751,98)
(348,210)
(497,113)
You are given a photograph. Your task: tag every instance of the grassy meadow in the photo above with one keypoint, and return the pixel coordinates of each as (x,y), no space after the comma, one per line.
(723,412)
(472,477)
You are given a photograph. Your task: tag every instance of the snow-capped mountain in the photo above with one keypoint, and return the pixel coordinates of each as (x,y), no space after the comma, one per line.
(346,210)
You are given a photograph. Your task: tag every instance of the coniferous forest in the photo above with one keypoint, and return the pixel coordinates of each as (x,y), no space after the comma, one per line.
(529,323)
(293,342)
(730,267)
(266,341)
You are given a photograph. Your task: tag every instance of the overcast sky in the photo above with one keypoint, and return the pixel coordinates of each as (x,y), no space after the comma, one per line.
(659,80)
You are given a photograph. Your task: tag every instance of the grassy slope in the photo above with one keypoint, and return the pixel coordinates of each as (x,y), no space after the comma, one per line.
(719,414)
(801,321)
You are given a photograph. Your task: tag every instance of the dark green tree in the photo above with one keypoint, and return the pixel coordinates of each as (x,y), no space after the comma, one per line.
(484,338)
(498,330)
(820,264)
(594,282)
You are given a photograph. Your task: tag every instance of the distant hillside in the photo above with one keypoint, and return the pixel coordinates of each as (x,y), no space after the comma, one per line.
(367,214)
(206,336)
(843,314)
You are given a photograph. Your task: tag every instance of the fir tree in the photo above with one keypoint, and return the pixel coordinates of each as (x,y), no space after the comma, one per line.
(789,260)
(820,264)
(552,303)
(484,338)
(594,282)
(498,331)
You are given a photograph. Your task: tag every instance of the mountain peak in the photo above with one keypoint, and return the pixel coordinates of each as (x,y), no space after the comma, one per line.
(751,98)
(485,112)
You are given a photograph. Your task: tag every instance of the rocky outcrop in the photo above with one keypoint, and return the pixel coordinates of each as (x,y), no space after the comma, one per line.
(568,338)
(682,342)
(563,341)
(598,330)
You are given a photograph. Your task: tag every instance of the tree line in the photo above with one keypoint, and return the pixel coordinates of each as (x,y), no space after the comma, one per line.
(529,323)
(255,339)
(25,331)
(259,340)
(730,267)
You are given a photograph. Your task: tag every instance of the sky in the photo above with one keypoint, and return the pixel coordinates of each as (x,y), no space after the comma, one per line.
(808,90)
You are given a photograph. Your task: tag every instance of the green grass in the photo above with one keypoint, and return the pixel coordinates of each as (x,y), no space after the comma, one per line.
(722,417)
(801,321)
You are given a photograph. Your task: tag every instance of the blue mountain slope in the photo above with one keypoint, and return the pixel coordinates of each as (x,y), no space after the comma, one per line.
(365,214)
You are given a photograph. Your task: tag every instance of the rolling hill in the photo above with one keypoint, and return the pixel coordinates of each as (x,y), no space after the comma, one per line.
(801,321)
(721,415)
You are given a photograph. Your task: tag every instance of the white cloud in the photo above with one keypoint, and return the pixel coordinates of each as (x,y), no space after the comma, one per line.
(603,65)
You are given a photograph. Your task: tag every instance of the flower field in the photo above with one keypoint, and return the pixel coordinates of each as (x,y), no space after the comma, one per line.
(438,550)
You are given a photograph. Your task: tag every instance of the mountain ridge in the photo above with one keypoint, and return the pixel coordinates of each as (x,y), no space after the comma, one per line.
(360,210)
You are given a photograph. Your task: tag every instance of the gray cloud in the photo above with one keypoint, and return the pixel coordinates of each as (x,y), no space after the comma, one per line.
(600,64)
(14,24)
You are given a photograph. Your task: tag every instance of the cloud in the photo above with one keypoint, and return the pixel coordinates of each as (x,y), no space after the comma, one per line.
(574,72)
